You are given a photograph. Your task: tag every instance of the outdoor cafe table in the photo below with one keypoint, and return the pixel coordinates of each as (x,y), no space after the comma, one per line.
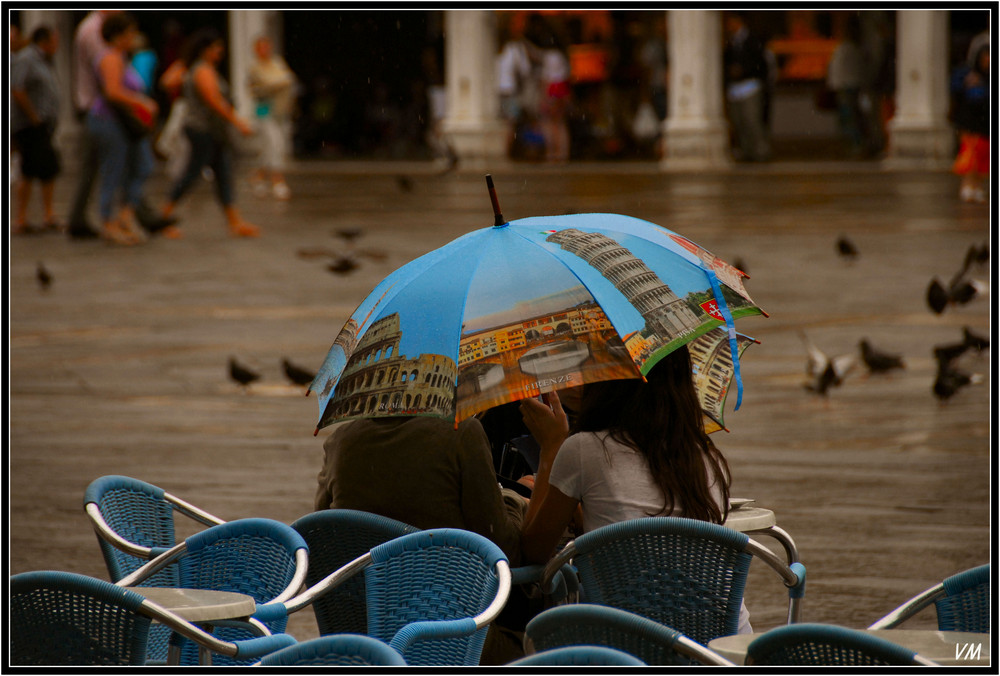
(747,518)
(200,606)
(951,648)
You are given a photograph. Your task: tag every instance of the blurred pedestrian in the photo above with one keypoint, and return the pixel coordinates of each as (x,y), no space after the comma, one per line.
(209,116)
(556,95)
(513,76)
(144,62)
(845,76)
(172,143)
(272,85)
(120,121)
(35,93)
(745,77)
(970,86)
(88,46)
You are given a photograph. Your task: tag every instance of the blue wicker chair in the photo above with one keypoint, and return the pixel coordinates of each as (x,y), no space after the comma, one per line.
(66,619)
(580,656)
(430,594)
(686,574)
(335,538)
(339,650)
(962,602)
(134,522)
(590,624)
(827,645)
(262,558)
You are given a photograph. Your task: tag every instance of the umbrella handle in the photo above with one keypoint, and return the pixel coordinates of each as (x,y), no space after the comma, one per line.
(497,216)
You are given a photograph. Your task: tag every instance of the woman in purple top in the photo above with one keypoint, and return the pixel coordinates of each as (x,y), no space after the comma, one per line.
(125,159)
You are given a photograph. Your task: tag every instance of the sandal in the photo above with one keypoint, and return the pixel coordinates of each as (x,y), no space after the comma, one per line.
(171,232)
(116,233)
(244,229)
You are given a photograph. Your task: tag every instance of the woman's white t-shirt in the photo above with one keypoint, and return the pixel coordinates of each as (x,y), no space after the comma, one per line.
(613,483)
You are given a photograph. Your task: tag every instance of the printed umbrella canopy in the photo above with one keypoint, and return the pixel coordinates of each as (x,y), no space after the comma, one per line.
(536,305)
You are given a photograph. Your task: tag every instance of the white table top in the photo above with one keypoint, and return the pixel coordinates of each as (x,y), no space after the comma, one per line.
(952,648)
(200,605)
(749,517)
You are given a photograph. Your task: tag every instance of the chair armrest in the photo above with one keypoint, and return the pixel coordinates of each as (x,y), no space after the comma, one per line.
(910,608)
(152,567)
(269,612)
(430,630)
(262,645)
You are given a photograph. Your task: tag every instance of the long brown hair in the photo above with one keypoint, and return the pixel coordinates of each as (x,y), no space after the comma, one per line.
(661,418)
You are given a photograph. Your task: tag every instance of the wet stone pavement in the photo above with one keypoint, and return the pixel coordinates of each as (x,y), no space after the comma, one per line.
(120,367)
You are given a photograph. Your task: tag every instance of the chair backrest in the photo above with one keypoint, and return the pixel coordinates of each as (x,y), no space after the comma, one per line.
(61,618)
(826,645)
(580,656)
(590,624)
(139,513)
(433,583)
(340,649)
(335,538)
(262,558)
(686,574)
(966,604)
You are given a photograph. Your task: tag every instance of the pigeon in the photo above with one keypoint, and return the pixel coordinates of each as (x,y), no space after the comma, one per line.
(950,380)
(297,374)
(879,362)
(241,373)
(959,290)
(846,249)
(43,276)
(974,341)
(405,183)
(937,296)
(825,372)
(946,354)
(349,234)
(979,255)
(342,265)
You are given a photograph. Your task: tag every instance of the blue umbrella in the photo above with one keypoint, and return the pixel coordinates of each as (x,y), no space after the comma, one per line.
(531,306)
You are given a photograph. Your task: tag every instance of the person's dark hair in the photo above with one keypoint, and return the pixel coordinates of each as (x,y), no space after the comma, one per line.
(198,43)
(115,25)
(662,419)
(41,34)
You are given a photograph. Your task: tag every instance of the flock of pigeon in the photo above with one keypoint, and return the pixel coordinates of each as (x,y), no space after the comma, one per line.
(828,372)
(244,375)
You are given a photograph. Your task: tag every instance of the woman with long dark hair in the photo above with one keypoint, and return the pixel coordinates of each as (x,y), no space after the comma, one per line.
(209,115)
(638,448)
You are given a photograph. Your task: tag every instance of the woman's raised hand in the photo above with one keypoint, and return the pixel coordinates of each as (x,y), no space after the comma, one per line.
(547,422)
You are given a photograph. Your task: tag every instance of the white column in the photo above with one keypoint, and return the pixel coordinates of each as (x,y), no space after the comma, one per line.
(473,124)
(695,131)
(62,22)
(919,134)
(244,27)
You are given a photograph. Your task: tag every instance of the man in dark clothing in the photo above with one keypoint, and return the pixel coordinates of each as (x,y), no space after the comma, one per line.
(35,94)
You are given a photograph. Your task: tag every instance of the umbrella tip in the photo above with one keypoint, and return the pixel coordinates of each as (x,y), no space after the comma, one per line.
(498,219)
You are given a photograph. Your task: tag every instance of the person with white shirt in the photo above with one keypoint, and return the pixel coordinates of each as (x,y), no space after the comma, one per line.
(638,449)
